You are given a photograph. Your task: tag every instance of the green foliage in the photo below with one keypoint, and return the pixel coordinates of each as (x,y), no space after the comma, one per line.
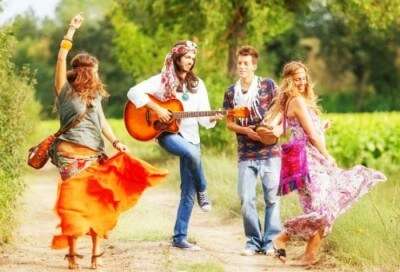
(31,51)
(356,39)
(18,115)
(140,54)
(358,48)
(371,139)
(147,30)
(38,44)
(346,102)
(378,15)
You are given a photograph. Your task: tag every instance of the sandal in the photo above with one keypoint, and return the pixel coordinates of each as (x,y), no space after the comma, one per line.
(94,260)
(72,264)
(280,253)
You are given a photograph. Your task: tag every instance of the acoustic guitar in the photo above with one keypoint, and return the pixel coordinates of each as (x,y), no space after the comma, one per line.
(144,124)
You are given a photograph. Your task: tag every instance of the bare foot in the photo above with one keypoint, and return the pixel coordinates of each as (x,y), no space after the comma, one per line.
(306,261)
(96,261)
(72,264)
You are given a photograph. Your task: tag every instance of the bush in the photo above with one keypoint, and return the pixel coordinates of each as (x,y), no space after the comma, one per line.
(347,102)
(18,115)
(371,139)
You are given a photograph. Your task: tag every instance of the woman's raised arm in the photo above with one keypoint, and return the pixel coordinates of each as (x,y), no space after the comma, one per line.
(65,46)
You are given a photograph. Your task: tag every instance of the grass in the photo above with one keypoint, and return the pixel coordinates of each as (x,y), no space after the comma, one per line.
(156,227)
(366,237)
(369,235)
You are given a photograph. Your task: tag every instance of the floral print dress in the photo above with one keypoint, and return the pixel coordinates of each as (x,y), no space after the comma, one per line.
(329,191)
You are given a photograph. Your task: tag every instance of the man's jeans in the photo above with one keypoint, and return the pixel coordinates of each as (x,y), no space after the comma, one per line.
(192,178)
(268,170)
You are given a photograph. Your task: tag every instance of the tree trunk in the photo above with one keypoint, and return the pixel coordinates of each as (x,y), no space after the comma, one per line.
(362,91)
(236,33)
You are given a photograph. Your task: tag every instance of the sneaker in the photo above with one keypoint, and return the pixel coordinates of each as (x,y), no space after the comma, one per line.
(248,252)
(204,202)
(185,245)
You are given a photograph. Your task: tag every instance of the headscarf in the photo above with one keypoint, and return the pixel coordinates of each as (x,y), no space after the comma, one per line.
(169,78)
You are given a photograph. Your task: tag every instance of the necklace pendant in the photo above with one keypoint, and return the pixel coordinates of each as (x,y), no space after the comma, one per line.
(185,96)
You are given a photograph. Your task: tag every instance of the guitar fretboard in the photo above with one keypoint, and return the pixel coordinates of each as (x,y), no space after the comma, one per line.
(190,114)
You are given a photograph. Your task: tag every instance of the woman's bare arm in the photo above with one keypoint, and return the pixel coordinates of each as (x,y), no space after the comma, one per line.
(109,134)
(299,109)
(61,65)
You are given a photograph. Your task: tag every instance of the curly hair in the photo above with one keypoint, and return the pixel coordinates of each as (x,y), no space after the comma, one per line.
(84,81)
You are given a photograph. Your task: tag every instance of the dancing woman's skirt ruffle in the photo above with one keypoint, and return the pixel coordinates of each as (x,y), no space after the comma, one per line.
(93,199)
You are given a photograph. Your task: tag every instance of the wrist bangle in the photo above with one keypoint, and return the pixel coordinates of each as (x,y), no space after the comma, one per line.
(115,142)
(67,39)
(66,44)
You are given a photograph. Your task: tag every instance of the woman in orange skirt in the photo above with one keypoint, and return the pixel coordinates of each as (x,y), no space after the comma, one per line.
(94,190)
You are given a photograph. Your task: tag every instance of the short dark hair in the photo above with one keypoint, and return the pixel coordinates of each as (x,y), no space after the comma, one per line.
(248,50)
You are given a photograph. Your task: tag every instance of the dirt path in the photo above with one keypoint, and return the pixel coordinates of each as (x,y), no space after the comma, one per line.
(141,240)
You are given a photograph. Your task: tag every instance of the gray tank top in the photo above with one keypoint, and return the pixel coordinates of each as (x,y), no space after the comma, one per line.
(88,131)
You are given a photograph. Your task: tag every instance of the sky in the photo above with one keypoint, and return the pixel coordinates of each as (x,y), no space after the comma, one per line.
(11,8)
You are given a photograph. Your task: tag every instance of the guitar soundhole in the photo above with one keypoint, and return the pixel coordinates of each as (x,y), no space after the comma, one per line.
(158,125)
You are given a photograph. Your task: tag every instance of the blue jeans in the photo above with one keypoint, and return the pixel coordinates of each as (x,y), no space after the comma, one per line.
(268,170)
(192,178)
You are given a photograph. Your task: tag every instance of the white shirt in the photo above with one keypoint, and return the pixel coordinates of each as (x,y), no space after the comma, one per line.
(189,127)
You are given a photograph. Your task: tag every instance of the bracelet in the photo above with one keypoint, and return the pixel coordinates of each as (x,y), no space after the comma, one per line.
(66,44)
(67,39)
(115,142)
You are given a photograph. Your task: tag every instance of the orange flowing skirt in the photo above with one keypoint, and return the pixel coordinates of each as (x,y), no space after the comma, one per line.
(92,200)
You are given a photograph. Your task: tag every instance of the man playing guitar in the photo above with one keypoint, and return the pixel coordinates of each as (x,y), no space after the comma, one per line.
(178,81)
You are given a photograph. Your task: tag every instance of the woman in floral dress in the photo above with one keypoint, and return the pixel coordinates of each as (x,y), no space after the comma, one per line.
(328,191)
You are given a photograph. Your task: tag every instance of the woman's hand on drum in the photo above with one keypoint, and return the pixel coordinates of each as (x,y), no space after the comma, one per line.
(277,130)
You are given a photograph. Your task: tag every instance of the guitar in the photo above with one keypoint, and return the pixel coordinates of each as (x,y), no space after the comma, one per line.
(144,124)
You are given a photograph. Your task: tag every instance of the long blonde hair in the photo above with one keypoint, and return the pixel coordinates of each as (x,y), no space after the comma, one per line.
(288,90)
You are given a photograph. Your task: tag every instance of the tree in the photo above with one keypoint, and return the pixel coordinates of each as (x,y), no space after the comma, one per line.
(38,43)
(220,26)
(369,49)
(378,15)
